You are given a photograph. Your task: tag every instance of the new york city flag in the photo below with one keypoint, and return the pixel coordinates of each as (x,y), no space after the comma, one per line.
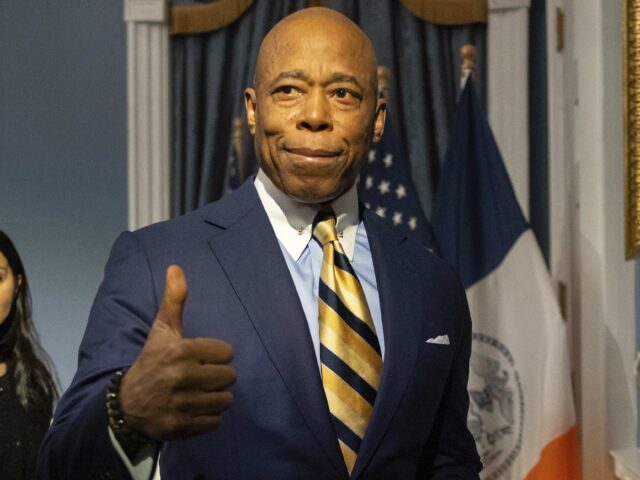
(521,403)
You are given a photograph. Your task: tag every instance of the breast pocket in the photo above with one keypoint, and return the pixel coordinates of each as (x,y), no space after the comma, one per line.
(436,356)
(431,370)
(427,385)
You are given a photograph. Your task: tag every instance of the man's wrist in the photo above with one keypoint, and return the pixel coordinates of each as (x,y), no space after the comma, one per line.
(130,439)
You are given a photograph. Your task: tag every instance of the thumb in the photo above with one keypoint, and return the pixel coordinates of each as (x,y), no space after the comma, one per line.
(175,294)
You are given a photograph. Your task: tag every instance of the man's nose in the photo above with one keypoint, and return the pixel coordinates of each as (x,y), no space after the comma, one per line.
(315,115)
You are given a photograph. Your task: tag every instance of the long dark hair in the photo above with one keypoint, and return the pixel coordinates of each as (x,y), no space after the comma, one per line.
(19,347)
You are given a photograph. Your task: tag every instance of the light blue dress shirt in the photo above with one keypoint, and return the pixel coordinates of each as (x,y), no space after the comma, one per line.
(292,223)
(305,273)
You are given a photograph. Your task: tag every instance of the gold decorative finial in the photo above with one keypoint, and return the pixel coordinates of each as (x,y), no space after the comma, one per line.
(468,55)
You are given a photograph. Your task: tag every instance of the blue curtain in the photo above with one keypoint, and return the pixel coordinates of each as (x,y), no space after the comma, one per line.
(209,74)
(211,70)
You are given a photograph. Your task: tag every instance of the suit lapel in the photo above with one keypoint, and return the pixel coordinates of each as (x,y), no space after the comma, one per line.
(249,253)
(397,283)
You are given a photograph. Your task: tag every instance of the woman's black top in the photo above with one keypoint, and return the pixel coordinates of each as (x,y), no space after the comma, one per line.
(20,438)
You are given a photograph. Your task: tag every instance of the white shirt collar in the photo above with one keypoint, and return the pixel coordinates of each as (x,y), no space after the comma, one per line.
(292,220)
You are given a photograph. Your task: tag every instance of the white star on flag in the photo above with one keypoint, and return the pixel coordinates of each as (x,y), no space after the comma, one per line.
(372,156)
(384,187)
(368,183)
(401,192)
(397,218)
(368,205)
(388,160)
(412,223)
(381,212)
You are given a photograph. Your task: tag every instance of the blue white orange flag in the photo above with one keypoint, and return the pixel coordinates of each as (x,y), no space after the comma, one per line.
(385,187)
(521,403)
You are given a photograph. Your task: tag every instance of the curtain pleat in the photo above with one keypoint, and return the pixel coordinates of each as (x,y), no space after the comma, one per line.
(210,72)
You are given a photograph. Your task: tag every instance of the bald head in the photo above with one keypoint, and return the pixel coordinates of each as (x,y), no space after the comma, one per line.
(312,26)
(314,108)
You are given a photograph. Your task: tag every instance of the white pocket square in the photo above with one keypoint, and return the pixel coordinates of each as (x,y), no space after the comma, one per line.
(440,339)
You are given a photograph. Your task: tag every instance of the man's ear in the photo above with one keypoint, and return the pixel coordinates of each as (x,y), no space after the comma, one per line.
(381,118)
(251,107)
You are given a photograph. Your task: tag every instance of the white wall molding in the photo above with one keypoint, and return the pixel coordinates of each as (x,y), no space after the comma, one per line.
(559,166)
(495,5)
(507,90)
(148,110)
(603,292)
(559,130)
(146,11)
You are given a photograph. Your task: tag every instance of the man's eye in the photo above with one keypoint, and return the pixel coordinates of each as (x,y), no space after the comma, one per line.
(286,90)
(286,93)
(345,95)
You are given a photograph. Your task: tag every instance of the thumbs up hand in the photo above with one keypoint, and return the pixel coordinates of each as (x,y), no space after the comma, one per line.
(177,387)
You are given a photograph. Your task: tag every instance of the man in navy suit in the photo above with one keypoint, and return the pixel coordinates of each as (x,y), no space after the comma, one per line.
(203,337)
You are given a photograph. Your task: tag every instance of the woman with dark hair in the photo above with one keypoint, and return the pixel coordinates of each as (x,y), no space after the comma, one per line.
(27,389)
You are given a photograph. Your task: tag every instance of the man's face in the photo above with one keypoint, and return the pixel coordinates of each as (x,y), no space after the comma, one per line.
(314,111)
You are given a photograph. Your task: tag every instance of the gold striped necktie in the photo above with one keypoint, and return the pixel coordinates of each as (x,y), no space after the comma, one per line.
(349,348)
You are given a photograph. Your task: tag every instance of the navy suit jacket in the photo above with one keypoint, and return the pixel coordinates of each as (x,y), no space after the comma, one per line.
(279,426)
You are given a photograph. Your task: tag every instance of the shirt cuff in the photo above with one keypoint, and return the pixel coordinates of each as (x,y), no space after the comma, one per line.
(143,466)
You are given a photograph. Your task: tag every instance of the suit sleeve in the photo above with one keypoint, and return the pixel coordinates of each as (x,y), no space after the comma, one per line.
(78,445)
(450,452)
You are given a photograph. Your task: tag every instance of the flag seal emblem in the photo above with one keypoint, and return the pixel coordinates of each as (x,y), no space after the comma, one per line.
(496,410)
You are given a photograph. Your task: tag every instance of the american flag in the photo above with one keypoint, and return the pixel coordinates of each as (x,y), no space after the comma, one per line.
(385,187)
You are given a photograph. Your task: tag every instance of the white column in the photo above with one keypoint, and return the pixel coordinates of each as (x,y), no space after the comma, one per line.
(603,289)
(507,89)
(148,110)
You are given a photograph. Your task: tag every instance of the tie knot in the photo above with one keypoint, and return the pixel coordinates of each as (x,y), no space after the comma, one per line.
(324,229)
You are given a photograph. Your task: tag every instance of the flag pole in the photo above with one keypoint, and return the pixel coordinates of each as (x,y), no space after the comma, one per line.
(468,56)
(237,140)
(384,81)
